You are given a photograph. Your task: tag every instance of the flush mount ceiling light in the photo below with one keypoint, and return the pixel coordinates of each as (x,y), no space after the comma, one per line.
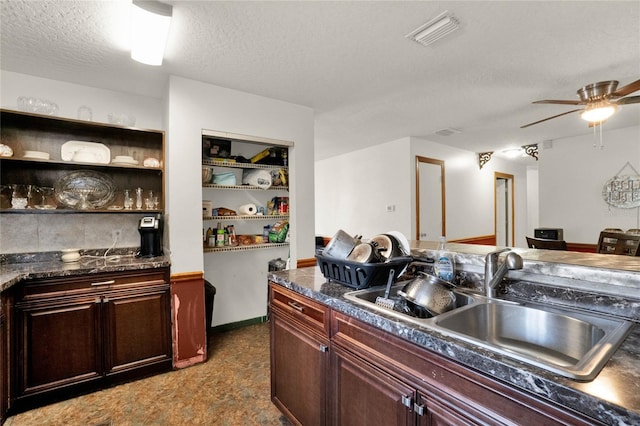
(598,112)
(513,153)
(149,31)
(525,150)
(435,29)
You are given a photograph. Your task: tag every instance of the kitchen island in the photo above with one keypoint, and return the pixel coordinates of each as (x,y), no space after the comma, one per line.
(69,328)
(613,397)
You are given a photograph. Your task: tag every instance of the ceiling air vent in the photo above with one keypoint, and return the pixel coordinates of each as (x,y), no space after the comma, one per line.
(435,29)
(447,132)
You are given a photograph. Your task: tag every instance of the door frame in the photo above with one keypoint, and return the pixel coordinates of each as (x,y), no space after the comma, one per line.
(420,159)
(510,178)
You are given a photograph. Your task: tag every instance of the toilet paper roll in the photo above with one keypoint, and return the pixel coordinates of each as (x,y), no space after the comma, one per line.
(247,209)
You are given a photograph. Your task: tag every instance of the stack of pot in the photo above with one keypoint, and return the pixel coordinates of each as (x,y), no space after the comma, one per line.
(378,249)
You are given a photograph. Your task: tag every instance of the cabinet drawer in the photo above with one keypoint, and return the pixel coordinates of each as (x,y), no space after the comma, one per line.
(311,313)
(90,284)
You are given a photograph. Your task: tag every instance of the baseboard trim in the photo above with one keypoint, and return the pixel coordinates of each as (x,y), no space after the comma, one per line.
(489,240)
(233,325)
(306,263)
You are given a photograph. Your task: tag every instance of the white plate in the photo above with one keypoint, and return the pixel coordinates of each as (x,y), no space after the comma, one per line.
(404,242)
(128,162)
(100,151)
(38,155)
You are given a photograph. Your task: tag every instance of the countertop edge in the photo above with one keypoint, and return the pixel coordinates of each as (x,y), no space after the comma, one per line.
(12,274)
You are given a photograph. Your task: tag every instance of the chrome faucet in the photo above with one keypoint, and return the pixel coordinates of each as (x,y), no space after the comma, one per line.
(493,274)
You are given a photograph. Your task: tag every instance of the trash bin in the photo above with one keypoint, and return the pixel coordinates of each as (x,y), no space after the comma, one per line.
(209,296)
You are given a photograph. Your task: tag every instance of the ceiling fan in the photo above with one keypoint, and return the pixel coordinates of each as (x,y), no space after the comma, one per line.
(601,101)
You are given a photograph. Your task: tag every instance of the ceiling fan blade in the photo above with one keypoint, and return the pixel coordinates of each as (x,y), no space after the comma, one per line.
(549,118)
(559,102)
(628,100)
(629,88)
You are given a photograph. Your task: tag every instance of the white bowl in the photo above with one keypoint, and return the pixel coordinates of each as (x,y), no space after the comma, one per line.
(70,255)
(123,158)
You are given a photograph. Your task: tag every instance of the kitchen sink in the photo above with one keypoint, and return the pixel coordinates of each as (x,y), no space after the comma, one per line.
(572,344)
(567,342)
(367,297)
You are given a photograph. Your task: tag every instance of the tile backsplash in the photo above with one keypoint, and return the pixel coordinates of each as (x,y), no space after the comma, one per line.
(21,233)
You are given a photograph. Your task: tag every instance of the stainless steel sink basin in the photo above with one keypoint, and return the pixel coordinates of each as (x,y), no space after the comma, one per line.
(367,297)
(569,343)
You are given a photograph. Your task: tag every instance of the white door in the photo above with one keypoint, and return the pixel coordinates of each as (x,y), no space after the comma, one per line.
(430,210)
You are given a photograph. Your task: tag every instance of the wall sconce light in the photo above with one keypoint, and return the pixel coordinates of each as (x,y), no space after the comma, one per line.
(483,158)
(149,31)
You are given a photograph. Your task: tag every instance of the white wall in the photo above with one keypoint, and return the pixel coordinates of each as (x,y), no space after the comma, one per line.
(352,190)
(240,278)
(572,174)
(68,96)
(470,190)
(52,232)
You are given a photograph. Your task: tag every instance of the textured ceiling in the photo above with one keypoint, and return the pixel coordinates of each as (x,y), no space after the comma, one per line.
(351,63)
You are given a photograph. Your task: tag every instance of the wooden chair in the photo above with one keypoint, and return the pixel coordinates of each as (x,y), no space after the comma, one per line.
(543,243)
(619,243)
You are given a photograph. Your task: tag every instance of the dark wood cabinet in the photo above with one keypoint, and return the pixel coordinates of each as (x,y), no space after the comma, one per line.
(444,392)
(59,343)
(136,328)
(5,300)
(365,395)
(377,378)
(299,359)
(82,333)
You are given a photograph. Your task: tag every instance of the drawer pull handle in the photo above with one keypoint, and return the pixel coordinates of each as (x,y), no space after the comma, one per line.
(297,307)
(407,401)
(104,282)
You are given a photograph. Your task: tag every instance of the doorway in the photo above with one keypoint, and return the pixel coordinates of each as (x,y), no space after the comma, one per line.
(430,199)
(504,209)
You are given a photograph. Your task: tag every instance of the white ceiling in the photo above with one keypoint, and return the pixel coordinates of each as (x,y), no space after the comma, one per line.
(351,63)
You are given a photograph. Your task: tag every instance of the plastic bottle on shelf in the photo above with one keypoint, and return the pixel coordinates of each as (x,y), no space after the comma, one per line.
(444,266)
(219,236)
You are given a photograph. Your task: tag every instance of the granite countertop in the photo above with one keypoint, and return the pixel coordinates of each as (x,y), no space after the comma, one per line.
(18,267)
(613,397)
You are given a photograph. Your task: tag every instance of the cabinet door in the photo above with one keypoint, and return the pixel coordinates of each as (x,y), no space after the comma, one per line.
(137,330)
(435,413)
(4,347)
(299,362)
(58,345)
(365,395)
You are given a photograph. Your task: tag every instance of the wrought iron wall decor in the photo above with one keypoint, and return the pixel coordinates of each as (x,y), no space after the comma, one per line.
(623,191)
(483,158)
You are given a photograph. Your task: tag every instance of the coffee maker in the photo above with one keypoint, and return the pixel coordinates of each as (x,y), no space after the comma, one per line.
(150,229)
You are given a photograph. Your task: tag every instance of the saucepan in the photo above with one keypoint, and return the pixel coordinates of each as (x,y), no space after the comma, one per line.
(341,245)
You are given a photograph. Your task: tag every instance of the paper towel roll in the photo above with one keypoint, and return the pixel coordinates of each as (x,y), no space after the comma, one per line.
(247,209)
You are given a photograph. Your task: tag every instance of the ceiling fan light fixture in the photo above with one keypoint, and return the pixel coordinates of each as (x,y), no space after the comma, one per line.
(149,31)
(598,112)
(435,29)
